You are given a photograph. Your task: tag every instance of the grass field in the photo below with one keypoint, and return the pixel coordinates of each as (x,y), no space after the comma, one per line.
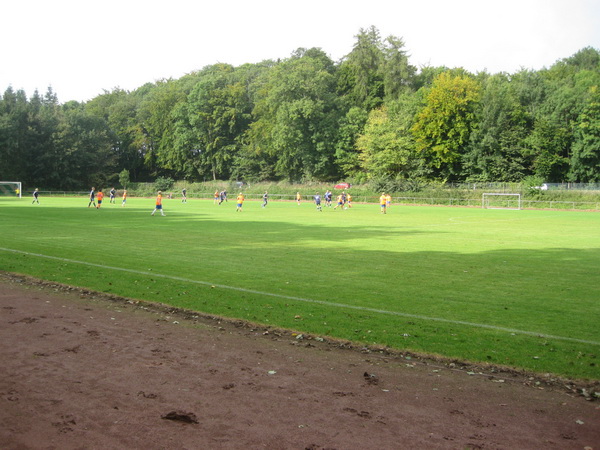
(514,288)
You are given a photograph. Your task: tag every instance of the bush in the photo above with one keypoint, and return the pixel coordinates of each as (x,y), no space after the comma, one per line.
(531,187)
(163,183)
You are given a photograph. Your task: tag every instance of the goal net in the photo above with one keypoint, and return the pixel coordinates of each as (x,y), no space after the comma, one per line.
(501,201)
(10,188)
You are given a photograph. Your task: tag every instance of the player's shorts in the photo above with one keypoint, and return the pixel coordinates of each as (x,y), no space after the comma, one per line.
(99,202)
(158,206)
(239,205)
(340,203)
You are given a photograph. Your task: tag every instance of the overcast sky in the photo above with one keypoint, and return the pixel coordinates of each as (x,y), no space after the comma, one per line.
(82,48)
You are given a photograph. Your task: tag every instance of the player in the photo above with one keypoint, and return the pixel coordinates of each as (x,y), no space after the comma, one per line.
(113,194)
(298,198)
(317,199)
(184,195)
(240,202)
(348,200)
(388,200)
(222,197)
(217,196)
(383,203)
(158,206)
(340,201)
(100,198)
(124,198)
(328,198)
(265,199)
(36,194)
(92,197)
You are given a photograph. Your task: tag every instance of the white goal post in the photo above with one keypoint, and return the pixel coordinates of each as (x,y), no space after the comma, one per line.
(491,200)
(11,187)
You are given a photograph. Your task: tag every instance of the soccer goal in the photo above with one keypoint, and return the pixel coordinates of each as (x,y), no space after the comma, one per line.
(501,201)
(10,188)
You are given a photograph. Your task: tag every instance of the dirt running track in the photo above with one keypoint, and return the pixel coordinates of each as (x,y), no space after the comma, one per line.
(83,371)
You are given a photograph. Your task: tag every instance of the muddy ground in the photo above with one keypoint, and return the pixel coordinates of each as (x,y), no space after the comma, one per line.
(83,370)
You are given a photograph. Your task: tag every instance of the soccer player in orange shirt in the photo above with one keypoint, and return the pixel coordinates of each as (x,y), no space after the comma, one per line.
(100,196)
(158,204)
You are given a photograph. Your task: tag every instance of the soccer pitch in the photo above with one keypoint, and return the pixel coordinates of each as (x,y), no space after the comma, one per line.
(513,288)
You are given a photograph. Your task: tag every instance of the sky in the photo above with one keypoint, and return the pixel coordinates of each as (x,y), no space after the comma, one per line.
(83,48)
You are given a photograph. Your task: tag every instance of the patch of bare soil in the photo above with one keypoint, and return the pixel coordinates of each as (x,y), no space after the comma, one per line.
(85,370)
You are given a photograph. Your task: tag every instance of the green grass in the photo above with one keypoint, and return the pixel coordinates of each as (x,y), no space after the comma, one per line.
(496,279)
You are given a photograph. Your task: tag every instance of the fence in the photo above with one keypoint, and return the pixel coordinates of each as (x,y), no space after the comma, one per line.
(432,201)
(517,187)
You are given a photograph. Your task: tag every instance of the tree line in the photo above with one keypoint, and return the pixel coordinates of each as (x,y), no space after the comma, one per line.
(371,116)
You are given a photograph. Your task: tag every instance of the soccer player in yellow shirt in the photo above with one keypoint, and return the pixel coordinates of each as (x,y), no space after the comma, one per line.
(340,202)
(383,203)
(240,202)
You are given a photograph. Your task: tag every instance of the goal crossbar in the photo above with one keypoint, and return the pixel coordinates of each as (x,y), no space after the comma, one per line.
(493,200)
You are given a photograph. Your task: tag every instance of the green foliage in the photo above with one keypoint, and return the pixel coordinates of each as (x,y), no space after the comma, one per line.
(163,183)
(532,186)
(443,126)
(387,147)
(585,160)
(297,116)
(124,178)
(497,149)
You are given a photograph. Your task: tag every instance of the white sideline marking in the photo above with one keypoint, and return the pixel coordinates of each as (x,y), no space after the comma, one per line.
(308,300)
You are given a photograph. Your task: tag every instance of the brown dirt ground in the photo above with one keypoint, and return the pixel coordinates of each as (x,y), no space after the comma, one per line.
(83,370)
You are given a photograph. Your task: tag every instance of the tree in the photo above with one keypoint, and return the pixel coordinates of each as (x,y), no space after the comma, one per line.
(374,70)
(346,152)
(15,139)
(209,128)
(570,85)
(155,125)
(398,74)
(118,109)
(443,125)
(387,147)
(585,160)
(86,144)
(124,178)
(497,145)
(296,116)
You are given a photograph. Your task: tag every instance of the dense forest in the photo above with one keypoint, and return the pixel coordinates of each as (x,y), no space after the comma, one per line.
(371,115)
